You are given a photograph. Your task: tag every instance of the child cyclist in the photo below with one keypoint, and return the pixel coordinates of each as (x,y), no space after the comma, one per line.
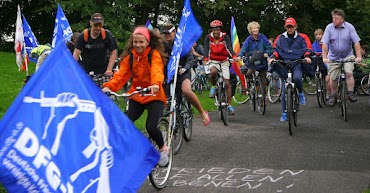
(144,74)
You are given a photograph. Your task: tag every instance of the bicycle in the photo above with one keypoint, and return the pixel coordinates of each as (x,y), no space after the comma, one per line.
(221,93)
(309,85)
(320,82)
(291,94)
(200,82)
(274,87)
(159,174)
(342,89)
(255,92)
(365,84)
(240,95)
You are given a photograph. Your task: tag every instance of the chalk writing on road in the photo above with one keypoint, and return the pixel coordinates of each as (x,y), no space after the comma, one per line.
(239,178)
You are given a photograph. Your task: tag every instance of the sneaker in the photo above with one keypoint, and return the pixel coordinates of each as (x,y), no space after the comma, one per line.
(283,117)
(212,92)
(352,98)
(231,110)
(302,99)
(164,156)
(332,101)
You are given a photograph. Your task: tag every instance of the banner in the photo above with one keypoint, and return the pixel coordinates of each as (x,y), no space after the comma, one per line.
(187,33)
(236,47)
(63,134)
(29,39)
(148,25)
(62,30)
(19,45)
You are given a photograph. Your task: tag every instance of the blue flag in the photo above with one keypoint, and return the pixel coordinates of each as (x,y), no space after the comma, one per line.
(148,25)
(63,134)
(29,39)
(62,29)
(187,33)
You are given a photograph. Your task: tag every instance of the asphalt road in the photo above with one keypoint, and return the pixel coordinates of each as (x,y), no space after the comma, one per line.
(255,153)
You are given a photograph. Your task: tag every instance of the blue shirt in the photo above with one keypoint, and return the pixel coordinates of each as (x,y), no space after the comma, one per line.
(261,44)
(316,47)
(340,40)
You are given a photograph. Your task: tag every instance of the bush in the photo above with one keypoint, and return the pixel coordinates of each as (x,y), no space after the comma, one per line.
(7,46)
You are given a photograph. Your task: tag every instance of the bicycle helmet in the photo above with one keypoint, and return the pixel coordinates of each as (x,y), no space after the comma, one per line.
(216,23)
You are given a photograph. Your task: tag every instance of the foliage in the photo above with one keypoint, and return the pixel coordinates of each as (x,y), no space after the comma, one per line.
(122,15)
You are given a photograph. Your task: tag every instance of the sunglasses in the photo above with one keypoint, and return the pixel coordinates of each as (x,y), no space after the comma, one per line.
(289,26)
(98,25)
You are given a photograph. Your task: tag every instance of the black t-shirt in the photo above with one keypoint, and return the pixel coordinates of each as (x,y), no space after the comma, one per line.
(70,47)
(94,51)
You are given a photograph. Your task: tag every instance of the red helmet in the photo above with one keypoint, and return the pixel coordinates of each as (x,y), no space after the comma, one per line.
(216,23)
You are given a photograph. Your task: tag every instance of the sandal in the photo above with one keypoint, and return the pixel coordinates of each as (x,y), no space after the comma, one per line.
(207,120)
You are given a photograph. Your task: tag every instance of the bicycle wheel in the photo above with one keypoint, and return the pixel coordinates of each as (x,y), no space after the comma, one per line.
(223,104)
(252,96)
(260,99)
(289,108)
(240,95)
(178,134)
(187,114)
(344,100)
(365,84)
(159,175)
(295,106)
(319,91)
(274,89)
(309,86)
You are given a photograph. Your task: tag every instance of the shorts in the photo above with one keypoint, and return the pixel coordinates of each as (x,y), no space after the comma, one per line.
(225,67)
(335,68)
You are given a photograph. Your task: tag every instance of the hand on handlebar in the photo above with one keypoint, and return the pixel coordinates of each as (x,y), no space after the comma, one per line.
(154,88)
(308,60)
(358,60)
(182,70)
(105,89)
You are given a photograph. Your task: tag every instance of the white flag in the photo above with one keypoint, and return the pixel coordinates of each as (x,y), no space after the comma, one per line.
(19,45)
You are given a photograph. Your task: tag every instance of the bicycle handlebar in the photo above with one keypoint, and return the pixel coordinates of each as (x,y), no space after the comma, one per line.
(283,63)
(139,90)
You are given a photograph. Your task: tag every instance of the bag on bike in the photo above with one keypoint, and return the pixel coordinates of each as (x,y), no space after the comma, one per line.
(256,60)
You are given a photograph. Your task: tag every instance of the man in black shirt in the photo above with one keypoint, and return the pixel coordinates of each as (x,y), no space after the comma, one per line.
(92,45)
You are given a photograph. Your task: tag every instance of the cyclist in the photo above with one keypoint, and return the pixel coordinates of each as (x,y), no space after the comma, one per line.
(94,47)
(257,48)
(144,74)
(183,78)
(217,47)
(317,48)
(339,37)
(291,45)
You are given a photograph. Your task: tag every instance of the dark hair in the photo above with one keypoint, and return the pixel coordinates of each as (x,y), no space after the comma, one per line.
(75,36)
(155,43)
(339,12)
(366,48)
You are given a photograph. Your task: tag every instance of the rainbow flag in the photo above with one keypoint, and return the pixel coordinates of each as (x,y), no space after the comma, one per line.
(236,47)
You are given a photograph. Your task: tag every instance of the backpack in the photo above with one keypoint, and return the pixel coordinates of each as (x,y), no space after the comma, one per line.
(86,34)
(149,58)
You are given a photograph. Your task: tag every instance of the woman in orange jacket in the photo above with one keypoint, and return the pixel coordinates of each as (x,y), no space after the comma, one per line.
(144,74)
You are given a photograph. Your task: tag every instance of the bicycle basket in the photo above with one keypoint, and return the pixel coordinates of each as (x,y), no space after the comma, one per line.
(256,58)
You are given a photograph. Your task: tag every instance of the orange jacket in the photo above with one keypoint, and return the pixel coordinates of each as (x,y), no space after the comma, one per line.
(144,75)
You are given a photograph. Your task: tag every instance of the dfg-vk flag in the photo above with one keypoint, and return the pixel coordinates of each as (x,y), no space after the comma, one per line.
(62,134)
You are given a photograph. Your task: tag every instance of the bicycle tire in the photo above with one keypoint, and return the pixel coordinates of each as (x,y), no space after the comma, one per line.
(240,96)
(289,108)
(365,84)
(319,91)
(178,133)
(223,104)
(295,106)
(252,97)
(309,86)
(344,100)
(274,89)
(188,120)
(159,176)
(261,100)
